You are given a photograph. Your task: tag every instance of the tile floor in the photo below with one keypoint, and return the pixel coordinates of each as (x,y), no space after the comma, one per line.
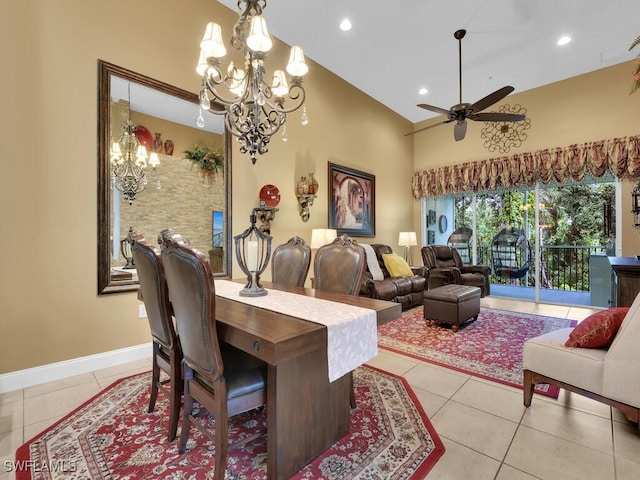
(487,432)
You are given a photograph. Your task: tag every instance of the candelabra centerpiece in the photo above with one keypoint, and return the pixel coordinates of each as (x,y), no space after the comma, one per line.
(253,251)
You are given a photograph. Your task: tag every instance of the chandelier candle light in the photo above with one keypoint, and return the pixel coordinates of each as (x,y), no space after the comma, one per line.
(254,110)
(129,163)
(253,251)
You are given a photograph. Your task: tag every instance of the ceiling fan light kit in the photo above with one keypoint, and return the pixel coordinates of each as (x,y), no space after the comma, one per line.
(462,111)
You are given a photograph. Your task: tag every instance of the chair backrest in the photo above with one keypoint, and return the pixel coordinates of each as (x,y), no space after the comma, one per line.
(290,262)
(511,253)
(621,378)
(192,290)
(155,294)
(460,240)
(440,256)
(339,266)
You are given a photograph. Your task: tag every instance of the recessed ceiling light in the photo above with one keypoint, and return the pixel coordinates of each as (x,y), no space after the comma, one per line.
(345,25)
(423,91)
(563,40)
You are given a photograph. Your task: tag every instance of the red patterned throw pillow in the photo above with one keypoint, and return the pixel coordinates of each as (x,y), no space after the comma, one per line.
(597,330)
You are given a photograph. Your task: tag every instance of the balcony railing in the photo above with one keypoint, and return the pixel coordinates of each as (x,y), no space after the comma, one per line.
(563,267)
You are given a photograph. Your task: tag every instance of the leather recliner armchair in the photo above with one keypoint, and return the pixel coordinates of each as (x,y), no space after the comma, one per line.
(407,291)
(445,266)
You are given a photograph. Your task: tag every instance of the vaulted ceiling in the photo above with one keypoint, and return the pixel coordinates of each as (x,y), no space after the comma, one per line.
(395,48)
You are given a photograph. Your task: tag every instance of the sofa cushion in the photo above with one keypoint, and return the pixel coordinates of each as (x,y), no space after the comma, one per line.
(597,330)
(397,266)
(582,367)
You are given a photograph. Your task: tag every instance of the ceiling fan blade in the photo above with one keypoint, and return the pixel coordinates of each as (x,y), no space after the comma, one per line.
(491,99)
(460,130)
(431,108)
(426,128)
(497,117)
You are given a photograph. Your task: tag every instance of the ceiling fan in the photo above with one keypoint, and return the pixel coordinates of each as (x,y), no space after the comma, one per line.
(473,111)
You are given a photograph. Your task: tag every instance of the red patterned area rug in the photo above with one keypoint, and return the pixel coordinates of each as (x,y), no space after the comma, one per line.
(491,347)
(113,437)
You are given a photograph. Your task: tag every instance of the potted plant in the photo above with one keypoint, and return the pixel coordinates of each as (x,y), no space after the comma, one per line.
(636,72)
(209,160)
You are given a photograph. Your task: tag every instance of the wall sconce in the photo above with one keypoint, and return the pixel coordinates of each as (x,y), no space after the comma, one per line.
(407,240)
(635,206)
(266,215)
(306,192)
(253,251)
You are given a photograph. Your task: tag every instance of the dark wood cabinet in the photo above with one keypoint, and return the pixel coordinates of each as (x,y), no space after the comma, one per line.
(625,280)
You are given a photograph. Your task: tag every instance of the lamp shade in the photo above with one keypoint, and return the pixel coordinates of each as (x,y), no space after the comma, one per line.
(407,239)
(322,236)
(259,39)
(297,66)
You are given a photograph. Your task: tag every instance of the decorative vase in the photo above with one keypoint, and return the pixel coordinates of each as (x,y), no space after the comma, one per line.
(313,185)
(168,147)
(303,186)
(157,143)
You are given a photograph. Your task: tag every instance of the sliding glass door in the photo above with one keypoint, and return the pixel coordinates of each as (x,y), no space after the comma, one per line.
(547,243)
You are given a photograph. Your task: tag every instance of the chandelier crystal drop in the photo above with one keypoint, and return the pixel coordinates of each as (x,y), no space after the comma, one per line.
(254,109)
(130,164)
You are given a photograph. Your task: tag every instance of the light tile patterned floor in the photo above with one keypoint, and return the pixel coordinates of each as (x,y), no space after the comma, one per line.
(487,432)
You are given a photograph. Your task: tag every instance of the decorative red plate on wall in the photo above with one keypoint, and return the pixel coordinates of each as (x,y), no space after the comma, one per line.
(270,195)
(144,137)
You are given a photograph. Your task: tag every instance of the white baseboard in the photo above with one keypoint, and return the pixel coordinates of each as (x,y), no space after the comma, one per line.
(76,366)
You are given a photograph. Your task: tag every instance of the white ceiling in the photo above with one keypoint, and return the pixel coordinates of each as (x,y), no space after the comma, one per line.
(397,47)
(157,104)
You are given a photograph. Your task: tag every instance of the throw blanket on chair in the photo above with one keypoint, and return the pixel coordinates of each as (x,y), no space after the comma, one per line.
(372,262)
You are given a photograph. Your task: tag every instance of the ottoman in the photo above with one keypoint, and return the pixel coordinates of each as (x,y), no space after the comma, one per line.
(452,304)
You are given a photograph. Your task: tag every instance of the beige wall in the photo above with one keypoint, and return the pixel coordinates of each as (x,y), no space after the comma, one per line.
(48,196)
(595,106)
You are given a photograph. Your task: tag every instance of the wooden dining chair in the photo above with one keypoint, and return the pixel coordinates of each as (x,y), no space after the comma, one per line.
(339,267)
(290,262)
(167,354)
(221,378)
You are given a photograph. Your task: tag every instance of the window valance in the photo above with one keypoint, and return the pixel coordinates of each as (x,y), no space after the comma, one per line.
(618,156)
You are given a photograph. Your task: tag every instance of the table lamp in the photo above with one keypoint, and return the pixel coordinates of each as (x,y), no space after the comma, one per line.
(322,236)
(407,240)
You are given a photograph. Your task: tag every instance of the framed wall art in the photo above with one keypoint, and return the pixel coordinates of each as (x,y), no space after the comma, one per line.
(431,217)
(352,201)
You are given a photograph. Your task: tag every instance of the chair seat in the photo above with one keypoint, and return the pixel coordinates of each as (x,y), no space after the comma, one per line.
(243,373)
(547,355)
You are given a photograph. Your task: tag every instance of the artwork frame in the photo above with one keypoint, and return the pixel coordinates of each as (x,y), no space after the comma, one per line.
(356,216)
(431,217)
(431,237)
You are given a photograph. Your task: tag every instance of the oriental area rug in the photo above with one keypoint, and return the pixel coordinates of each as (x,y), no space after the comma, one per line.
(113,437)
(490,347)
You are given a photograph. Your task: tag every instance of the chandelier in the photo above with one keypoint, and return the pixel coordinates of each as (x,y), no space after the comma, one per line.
(502,136)
(254,110)
(129,172)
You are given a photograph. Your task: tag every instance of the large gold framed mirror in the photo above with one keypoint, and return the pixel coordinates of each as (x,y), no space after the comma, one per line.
(196,203)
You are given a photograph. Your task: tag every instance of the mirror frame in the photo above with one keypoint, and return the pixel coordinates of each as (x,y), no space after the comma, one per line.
(105,71)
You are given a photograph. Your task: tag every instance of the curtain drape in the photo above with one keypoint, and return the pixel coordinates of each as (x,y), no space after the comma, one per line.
(618,156)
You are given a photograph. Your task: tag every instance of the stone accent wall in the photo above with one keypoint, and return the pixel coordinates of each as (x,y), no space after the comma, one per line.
(186,199)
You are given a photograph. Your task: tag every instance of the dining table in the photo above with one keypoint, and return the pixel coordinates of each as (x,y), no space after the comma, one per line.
(307,411)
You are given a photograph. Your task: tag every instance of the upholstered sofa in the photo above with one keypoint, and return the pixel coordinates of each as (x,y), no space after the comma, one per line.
(379,283)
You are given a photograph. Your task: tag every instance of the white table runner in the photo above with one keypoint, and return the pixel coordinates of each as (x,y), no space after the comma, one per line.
(352,334)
